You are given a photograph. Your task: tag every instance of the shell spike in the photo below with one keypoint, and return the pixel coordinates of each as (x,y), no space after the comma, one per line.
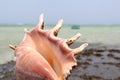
(26,30)
(12,47)
(72,39)
(41,21)
(57,27)
(79,49)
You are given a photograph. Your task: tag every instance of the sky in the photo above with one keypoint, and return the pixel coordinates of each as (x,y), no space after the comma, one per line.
(71,11)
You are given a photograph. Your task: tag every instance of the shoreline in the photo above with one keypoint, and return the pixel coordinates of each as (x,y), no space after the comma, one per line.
(97,62)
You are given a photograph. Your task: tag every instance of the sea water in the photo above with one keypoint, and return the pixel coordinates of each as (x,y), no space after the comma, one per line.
(103,34)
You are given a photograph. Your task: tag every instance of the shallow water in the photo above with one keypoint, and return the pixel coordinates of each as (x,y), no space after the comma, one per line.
(13,34)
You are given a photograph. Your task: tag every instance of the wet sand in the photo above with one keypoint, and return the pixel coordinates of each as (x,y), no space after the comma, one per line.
(94,63)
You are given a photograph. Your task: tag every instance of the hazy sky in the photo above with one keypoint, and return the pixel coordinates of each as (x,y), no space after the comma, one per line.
(71,11)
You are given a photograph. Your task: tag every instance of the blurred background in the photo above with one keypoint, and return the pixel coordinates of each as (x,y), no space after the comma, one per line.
(97,20)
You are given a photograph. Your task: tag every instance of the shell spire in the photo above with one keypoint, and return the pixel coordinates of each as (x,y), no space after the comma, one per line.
(72,39)
(41,55)
(41,21)
(12,47)
(57,27)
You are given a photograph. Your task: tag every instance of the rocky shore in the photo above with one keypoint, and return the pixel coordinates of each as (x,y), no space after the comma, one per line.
(97,64)
(93,64)
(7,71)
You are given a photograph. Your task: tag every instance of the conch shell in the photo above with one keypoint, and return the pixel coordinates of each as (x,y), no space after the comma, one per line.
(43,56)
